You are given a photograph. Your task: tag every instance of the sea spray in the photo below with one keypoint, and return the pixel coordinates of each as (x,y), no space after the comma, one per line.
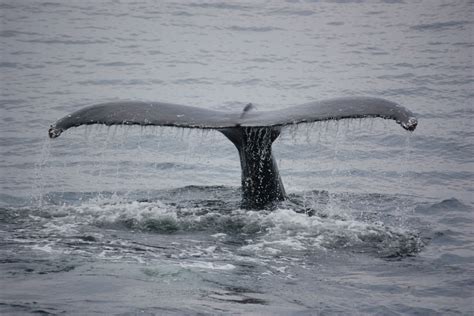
(39,182)
(102,150)
(402,209)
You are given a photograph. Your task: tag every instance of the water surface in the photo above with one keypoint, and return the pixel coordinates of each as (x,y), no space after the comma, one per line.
(128,220)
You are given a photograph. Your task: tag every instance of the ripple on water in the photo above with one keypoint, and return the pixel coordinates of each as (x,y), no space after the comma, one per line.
(441,26)
(264,233)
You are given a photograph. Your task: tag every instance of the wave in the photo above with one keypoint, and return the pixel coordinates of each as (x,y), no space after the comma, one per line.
(440,26)
(288,230)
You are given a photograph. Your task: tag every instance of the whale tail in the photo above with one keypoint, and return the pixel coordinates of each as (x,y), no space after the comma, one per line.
(261,182)
(251,131)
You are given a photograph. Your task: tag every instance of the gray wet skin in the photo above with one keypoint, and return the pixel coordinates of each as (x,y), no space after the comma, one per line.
(251,131)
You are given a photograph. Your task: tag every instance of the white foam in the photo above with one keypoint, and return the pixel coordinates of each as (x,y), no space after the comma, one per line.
(268,234)
(287,232)
(219,235)
(46,248)
(207,265)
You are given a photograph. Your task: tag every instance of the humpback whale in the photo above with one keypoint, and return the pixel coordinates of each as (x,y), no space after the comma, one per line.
(251,131)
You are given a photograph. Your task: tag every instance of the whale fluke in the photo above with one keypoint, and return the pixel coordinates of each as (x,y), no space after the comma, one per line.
(166,114)
(335,109)
(144,113)
(251,131)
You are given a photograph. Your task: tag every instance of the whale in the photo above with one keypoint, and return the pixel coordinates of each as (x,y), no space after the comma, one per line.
(251,131)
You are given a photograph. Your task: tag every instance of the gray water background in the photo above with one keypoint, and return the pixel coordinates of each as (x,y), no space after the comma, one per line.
(147,220)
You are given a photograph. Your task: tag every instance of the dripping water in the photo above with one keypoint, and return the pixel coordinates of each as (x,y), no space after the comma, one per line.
(39,183)
(402,209)
(102,156)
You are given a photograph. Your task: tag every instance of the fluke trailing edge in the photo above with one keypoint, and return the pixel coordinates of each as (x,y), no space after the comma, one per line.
(251,131)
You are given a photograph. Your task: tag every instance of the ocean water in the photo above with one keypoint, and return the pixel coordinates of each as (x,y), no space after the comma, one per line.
(129,220)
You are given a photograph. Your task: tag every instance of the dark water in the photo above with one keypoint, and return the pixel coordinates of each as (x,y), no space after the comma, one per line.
(147,221)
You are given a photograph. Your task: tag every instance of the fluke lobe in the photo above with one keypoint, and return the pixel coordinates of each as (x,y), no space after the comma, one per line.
(251,131)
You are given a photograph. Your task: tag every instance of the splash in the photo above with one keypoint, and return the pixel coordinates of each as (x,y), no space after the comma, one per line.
(261,234)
